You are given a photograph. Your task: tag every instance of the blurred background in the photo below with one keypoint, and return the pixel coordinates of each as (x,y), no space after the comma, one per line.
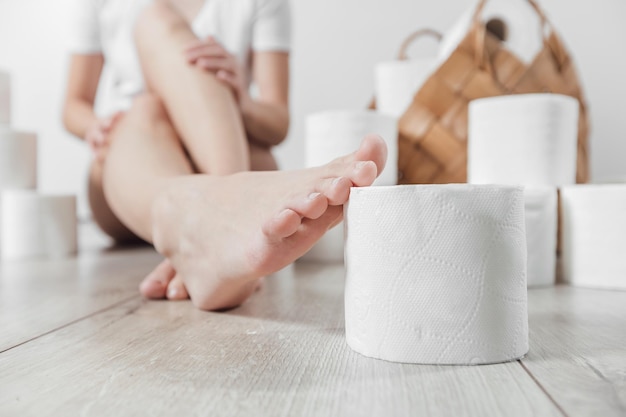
(336,44)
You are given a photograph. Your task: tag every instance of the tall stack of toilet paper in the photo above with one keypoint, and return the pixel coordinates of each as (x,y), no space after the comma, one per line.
(531,140)
(527,140)
(31,224)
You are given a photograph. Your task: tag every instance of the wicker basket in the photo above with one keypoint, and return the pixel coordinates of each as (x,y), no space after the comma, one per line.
(433,130)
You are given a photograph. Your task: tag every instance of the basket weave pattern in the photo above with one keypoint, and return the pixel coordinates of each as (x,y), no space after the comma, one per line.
(433,130)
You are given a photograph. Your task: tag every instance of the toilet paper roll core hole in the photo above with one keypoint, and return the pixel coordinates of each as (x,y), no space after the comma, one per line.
(498,28)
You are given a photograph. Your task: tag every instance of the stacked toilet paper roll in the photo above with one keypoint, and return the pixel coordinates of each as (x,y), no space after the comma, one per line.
(35,225)
(594,235)
(31,224)
(541,207)
(436,274)
(18,159)
(396,82)
(336,133)
(18,163)
(528,139)
(5,98)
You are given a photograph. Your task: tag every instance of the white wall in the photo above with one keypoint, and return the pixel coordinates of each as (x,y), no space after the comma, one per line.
(336,44)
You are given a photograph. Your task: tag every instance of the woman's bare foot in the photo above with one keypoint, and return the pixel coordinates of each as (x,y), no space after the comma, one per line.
(222,234)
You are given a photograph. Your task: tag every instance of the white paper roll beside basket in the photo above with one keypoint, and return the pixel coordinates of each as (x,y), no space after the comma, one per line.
(541,206)
(332,134)
(528,139)
(594,235)
(36,225)
(18,159)
(5,98)
(396,82)
(436,274)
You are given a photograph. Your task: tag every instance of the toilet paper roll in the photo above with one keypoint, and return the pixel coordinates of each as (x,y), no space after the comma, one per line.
(436,274)
(541,233)
(332,134)
(35,225)
(336,133)
(18,159)
(396,82)
(5,98)
(528,139)
(594,235)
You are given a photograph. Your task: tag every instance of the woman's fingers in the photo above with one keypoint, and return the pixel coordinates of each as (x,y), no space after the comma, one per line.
(215,64)
(209,55)
(95,137)
(229,78)
(111,121)
(205,50)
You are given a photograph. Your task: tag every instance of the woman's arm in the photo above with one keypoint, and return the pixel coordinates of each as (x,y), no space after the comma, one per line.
(84,74)
(267,118)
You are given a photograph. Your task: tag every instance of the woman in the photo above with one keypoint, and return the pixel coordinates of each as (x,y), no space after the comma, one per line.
(181,107)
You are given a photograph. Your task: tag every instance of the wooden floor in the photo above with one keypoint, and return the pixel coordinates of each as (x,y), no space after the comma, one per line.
(76,339)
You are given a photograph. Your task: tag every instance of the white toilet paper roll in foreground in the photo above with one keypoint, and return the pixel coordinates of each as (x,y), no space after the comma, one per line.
(5,98)
(398,81)
(35,225)
(528,139)
(541,233)
(436,274)
(335,133)
(18,159)
(594,235)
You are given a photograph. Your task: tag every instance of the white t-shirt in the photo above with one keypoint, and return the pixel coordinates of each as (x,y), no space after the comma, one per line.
(106,26)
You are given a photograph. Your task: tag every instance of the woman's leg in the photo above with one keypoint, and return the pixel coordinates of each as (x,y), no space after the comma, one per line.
(163,281)
(221,234)
(144,153)
(202,109)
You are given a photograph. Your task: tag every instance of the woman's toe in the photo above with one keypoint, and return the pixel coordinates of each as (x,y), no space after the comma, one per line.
(155,285)
(176,289)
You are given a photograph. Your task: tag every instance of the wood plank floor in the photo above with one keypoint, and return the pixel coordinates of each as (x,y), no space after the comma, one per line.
(77,339)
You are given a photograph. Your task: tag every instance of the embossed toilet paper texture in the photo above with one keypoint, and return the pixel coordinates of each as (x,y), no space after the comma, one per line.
(436,274)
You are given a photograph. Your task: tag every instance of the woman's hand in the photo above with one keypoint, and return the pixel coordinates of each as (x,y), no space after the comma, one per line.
(97,135)
(210,55)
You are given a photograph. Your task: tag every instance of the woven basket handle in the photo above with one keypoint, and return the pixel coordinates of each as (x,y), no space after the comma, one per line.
(402,55)
(480,30)
(542,16)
